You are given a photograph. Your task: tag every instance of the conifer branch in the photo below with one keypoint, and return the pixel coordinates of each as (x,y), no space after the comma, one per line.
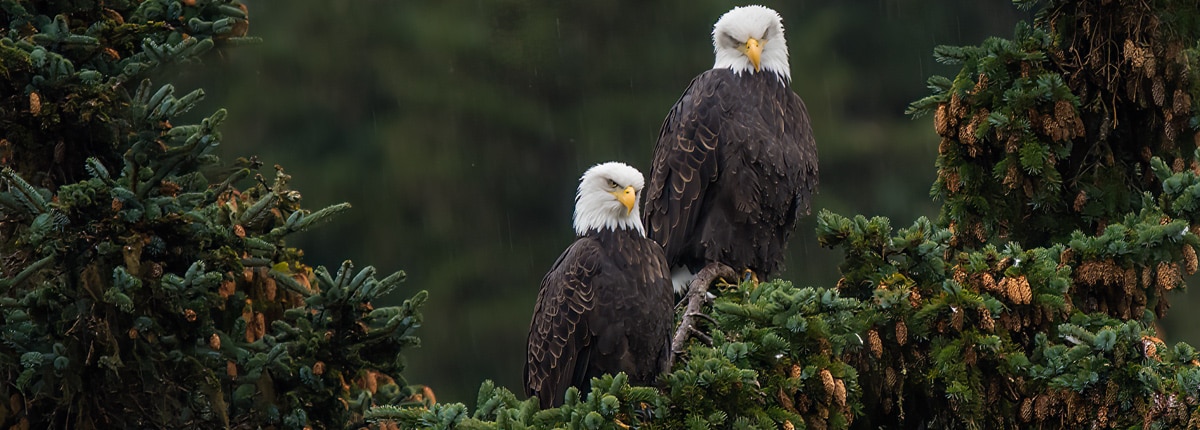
(30,199)
(697,296)
(26,273)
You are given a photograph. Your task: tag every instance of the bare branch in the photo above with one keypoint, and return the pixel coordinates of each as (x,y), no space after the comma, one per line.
(696,297)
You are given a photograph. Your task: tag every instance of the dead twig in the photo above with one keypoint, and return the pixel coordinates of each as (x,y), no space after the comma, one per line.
(696,297)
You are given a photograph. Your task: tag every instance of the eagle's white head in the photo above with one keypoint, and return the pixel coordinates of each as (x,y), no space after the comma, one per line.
(750,39)
(608,198)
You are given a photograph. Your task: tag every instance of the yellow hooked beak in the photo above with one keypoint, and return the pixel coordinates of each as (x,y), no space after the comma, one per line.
(627,197)
(753,51)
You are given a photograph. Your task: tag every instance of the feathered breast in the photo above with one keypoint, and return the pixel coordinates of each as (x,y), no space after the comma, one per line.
(604,307)
(734,167)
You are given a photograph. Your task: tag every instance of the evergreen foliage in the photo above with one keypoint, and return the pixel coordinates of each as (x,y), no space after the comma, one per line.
(777,357)
(1053,131)
(142,286)
(145,286)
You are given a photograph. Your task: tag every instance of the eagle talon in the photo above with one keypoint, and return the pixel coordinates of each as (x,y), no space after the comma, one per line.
(751,277)
(701,335)
(697,296)
(642,411)
(704,317)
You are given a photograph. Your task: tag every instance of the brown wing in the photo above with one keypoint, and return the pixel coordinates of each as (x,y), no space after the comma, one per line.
(798,128)
(558,335)
(685,163)
(734,168)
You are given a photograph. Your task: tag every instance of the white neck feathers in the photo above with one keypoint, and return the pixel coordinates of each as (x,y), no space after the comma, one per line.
(743,23)
(596,206)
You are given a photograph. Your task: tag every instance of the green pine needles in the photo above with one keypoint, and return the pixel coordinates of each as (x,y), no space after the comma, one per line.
(144,287)
(1054,130)
(777,357)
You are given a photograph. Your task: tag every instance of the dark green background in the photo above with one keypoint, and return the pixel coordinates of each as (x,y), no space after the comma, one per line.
(458,130)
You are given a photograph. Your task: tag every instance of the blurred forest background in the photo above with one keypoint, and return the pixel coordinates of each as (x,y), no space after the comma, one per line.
(458,131)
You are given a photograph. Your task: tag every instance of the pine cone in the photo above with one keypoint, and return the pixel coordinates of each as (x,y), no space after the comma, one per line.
(1158,91)
(874,343)
(890,378)
(1130,280)
(785,400)
(1081,199)
(827,381)
(1041,407)
(1066,256)
(35,103)
(989,283)
(1168,276)
(839,393)
(1150,347)
(1020,292)
(227,288)
(1027,410)
(1189,258)
(1182,102)
(941,120)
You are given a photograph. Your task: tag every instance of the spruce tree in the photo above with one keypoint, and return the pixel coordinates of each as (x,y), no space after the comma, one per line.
(143,284)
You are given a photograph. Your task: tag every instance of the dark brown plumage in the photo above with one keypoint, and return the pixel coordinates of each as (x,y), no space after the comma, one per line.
(606,304)
(734,168)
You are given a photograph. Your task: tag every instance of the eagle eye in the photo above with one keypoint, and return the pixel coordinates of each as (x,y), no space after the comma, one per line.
(612,184)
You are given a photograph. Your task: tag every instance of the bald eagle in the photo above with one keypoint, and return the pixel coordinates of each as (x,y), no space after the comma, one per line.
(735,165)
(606,304)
